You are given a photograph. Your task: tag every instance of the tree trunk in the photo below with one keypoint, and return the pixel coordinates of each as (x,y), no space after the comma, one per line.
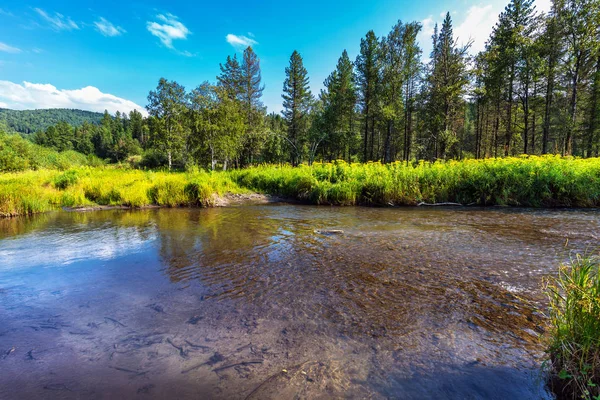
(509,125)
(387,145)
(366,138)
(548,106)
(593,124)
(497,128)
(570,130)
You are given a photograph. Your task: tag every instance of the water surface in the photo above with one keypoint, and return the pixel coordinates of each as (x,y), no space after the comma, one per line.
(253,302)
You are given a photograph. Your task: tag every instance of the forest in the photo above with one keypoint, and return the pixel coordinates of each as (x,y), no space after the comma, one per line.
(535,89)
(31,121)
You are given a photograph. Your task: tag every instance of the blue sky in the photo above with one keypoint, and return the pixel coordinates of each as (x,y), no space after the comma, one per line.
(109,54)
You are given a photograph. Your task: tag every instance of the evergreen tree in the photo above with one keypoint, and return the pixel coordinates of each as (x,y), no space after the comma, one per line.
(136,122)
(446,85)
(368,72)
(581,20)
(411,71)
(230,78)
(339,102)
(392,85)
(511,35)
(251,90)
(296,103)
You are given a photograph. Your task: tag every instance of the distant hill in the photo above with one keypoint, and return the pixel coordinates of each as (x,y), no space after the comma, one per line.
(30,121)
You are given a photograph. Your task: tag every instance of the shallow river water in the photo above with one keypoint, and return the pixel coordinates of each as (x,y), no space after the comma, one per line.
(260,302)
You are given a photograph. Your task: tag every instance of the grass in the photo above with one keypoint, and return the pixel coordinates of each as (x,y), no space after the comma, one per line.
(18,154)
(548,181)
(44,190)
(574,350)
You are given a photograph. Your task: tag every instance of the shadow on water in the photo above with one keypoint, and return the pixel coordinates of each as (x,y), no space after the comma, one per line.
(254,302)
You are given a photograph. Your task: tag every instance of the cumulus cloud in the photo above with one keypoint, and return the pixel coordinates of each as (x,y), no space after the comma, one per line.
(58,22)
(37,95)
(106,28)
(168,29)
(9,49)
(240,42)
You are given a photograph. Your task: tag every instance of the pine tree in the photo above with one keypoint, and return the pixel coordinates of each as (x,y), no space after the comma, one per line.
(230,78)
(511,34)
(251,93)
(581,19)
(391,88)
(339,102)
(368,71)
(446,86)
(296,102)
(411,71)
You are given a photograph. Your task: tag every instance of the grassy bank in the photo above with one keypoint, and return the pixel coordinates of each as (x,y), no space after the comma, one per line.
(18,154)
(548,181)
(44,190)
(530,182)
(575,330)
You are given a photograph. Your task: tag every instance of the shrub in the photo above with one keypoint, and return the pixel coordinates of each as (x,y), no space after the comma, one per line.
(66,179)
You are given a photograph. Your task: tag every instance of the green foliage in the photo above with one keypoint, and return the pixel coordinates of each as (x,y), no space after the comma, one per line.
(18,154)
(31,121)
(297,100)
(574,312)
(548,181)
(167,107)
(44,190)
(66,179)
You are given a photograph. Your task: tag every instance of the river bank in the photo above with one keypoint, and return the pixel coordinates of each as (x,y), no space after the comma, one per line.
(547,181)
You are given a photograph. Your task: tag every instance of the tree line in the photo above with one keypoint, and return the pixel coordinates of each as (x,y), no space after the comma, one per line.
(535,89)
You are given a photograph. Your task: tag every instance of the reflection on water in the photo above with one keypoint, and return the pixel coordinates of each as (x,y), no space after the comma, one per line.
(253,302)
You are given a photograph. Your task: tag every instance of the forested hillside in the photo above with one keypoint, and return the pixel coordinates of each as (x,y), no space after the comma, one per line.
(31,121)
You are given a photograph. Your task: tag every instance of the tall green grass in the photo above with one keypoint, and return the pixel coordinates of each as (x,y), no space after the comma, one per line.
(574,349)
(548,181)
(44,190)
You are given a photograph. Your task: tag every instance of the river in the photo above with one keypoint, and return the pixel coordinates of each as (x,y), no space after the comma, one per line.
(263,301)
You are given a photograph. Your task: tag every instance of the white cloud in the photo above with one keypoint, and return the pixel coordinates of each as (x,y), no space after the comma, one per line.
(9,49)
(543,6)
(106,28)
(36,95)
(424,37)
(5,12)
(57,22)
(170,29)
(475,24)
(240,42)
